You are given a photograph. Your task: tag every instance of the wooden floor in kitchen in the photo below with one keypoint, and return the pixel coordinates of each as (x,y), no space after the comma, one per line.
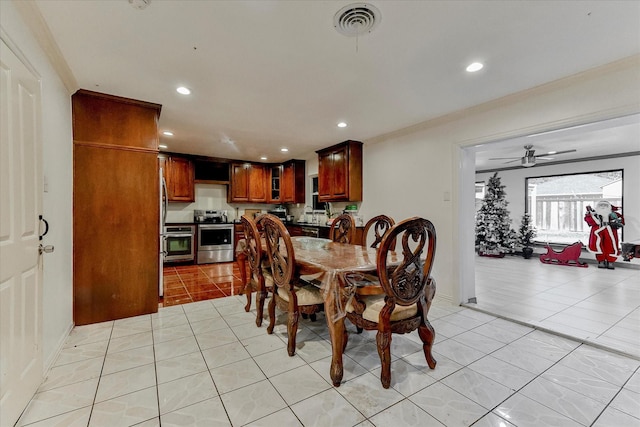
(190,283)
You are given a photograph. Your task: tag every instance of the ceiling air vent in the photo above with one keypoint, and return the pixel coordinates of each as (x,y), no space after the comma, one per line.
(356,19)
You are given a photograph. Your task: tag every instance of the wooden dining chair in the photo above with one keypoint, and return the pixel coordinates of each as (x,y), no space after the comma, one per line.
(380,224)
(260,279)
(289,294)
(408,292)
(343,229)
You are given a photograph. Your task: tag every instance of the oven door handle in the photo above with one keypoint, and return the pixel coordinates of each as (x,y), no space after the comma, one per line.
(177,235)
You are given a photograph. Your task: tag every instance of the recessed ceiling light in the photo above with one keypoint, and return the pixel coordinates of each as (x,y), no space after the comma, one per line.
(183,90)
(168,133)
(263,158)
(476,66)
(284,150)
(342,125)
(162,146)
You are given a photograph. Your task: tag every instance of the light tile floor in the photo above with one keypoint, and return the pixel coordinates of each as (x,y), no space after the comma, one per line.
(206,364)
(597,306)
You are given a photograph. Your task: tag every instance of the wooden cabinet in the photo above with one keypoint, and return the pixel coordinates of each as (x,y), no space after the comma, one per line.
(340,172)
(239,183)
(286,182)
(116,208)
(292,183)
(179,175)
(274,184)
(247,183)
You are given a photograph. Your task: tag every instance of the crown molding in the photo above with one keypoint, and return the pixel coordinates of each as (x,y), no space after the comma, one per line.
(34,20)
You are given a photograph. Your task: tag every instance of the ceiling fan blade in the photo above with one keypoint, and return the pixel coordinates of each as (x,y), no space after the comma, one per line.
(565,151)
(511,161)
(556,153)
(544,158)
(504,158)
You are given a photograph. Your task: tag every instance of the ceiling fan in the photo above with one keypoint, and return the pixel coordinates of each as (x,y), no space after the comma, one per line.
(529,158)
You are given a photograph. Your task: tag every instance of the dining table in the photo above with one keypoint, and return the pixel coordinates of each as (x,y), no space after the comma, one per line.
(338,269)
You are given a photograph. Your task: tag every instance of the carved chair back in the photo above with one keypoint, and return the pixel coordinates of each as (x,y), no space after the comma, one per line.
(406,283)
(343,229)
(380,224)
(253,245)
(279,251)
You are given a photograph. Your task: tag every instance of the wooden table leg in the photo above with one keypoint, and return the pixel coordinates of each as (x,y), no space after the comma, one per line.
(337,333)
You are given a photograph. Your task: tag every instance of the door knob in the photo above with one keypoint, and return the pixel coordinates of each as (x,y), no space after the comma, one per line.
(45,249)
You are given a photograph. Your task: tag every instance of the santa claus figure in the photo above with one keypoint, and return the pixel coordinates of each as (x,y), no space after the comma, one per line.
(604,221)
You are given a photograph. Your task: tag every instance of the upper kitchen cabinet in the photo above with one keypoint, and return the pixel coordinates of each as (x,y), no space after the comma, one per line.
(292,182)
(340,172)
(179,175)
(116,232)
(275,184)
(248,183)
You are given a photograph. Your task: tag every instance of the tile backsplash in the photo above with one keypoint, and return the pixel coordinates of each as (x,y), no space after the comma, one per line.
(209,197)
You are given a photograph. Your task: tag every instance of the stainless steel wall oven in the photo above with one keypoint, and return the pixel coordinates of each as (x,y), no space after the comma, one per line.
(215,243)
(179,243)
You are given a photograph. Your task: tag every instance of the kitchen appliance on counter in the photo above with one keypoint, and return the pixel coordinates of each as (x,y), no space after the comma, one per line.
(179,243)
(215,237)
(210,217)
(280,212)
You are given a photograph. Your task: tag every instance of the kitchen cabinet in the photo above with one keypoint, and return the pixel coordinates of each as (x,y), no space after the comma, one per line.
(292,185)
(340,172)
(275,184)
(179,175)
(116,207)
(238,234)
(287,182)
(321,231)
(248,183)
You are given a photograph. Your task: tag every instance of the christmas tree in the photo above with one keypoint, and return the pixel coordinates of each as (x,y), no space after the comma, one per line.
(526,232)
(494,235)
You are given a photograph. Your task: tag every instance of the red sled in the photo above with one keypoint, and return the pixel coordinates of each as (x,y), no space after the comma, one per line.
(569,256)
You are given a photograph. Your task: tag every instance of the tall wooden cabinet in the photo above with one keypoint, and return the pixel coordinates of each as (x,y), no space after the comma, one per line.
(340,172)
(115,207)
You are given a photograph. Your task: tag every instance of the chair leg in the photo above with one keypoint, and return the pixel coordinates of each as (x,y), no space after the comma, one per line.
(427,335)
(383,341)
(272,314)
(292,330)
(247,292)
(260,298)
(359,330)
(313,317)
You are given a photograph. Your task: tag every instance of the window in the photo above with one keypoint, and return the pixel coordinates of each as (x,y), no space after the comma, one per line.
(558,203)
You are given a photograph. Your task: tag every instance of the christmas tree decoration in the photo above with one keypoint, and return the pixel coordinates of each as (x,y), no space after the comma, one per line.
(494,235)
(526,232)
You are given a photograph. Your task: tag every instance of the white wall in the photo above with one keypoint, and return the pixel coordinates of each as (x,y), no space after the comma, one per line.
(414,171)
(57,137)
(513,180)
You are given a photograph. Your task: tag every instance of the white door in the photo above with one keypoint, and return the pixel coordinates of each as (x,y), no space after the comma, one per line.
(20,268)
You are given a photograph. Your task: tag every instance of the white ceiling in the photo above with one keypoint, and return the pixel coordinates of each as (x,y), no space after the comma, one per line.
(272,74)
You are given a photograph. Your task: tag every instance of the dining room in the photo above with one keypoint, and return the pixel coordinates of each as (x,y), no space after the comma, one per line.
(272,75)
(219,362)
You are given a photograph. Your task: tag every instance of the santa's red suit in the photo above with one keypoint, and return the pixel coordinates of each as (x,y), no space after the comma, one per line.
(603,240)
